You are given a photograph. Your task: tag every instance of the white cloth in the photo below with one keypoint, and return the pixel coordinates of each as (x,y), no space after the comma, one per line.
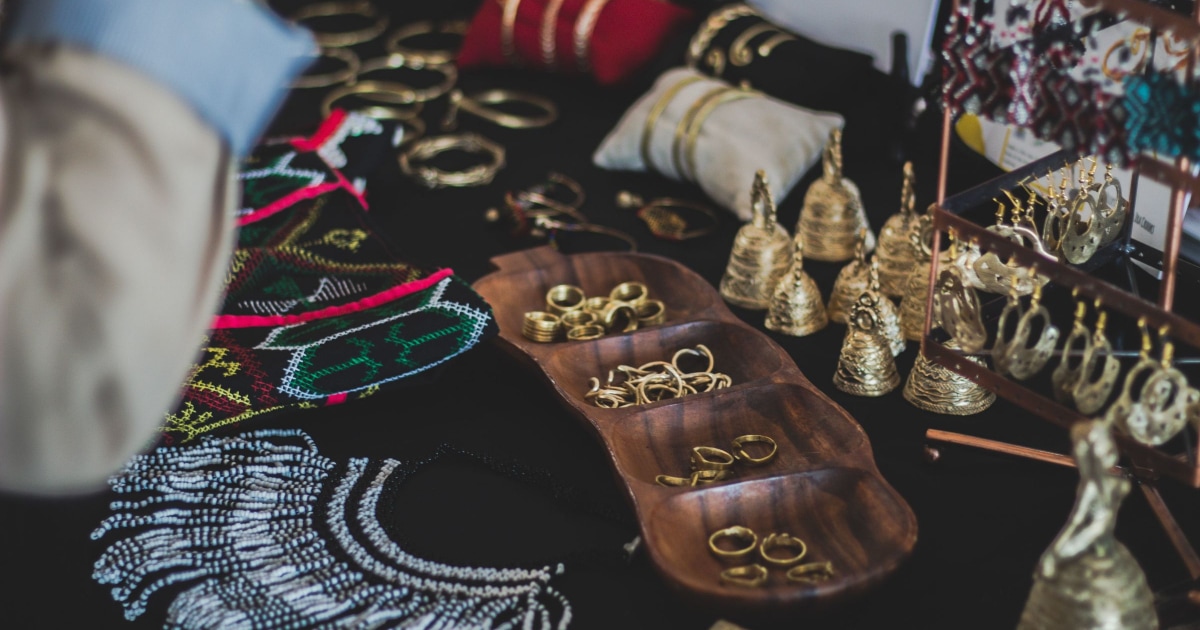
(116,206)
(737,139)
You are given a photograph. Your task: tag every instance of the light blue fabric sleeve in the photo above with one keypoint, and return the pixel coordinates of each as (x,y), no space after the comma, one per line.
(232,60)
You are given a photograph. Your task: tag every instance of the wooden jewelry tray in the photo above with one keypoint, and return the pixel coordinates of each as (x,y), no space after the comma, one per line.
(822,486)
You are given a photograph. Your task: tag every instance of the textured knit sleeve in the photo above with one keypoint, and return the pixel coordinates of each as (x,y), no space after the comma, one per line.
(116,206)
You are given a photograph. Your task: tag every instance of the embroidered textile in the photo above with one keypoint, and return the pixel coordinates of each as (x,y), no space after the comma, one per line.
(262,531)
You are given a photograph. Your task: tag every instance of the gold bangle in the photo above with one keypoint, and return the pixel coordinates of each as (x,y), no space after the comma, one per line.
(695,121)
(426,56)
(564,297)
(811,573)
(432,177)
(392,108)
(749,576)
(477,104)
(327,39)
(715,23)
(739,449)
(508,22)
(656,111)
(785,541)
(685,123)
(585,25)
(664,222)
(549,32)
(405,93)
(710,458)
(765,48)
(739,51)
(344,55)
(735,533)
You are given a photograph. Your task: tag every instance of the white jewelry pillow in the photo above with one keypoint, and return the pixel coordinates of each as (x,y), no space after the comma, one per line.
(739,134)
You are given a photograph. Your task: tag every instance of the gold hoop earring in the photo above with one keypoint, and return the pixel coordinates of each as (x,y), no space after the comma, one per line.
(1091,394)
(1023,360)
(1127,413)
(1167,398)
(1068,373)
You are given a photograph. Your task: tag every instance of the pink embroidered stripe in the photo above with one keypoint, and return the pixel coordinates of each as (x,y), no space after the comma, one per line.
(327,129)
(371,301)
(336,399)
(288,200)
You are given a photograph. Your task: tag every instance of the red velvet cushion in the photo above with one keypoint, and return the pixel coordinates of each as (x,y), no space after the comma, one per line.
(627,35)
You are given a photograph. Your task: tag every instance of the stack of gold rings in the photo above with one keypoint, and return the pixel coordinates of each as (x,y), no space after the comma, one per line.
(583,318)
(737,543)
(657,380)
(710,464)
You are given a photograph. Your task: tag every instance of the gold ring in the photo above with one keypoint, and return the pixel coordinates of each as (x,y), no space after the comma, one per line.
(426,56)
(433,177)
(629,293)
(739,449)
(578,317)
(705,477)
(404,93)
(619,317)
(782,541)
(564,297)
(811,573)
(338,39)
(393,108)
(585,333)
(596,304)
(326,79)
(735,533)
(749,576)
(700,350)
(540,326)
(710,458)
(650,312)
(673,482)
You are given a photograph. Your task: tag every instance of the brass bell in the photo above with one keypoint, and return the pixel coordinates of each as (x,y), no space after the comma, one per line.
(865,366)
(833,212)
(895,251)
(1087,578)
(797,308)
(889,315)
(936,388)
(761,255)
(851,281)
(916,287)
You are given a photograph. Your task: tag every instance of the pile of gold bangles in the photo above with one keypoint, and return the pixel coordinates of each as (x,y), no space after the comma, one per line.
(710,464)
(738,543)
(571,313)
(657,380)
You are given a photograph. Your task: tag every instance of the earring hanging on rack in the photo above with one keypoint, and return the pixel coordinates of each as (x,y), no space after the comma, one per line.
(1092,393)
(1128,412)
(1057,215)
(1112,210)
(1081,240)
(1024,361)
(996,276)
(1167,400)
(1069,371)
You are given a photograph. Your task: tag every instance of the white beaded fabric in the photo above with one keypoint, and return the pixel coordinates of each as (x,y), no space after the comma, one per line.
(261,531)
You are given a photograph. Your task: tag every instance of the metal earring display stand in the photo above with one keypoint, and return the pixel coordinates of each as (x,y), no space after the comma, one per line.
(1145,464)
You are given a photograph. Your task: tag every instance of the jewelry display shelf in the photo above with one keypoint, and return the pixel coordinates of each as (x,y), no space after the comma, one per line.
(822,486)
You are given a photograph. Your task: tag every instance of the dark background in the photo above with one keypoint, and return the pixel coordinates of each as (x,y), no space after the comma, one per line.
(515,479)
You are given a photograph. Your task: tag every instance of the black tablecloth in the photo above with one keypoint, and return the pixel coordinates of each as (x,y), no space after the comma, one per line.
(518,480)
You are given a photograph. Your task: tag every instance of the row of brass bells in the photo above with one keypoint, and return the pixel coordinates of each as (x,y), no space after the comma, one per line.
(761,254)
(895,253)
(797,308)
(833,211)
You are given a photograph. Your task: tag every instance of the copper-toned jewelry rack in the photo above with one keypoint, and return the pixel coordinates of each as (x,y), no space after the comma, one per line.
(1146,463)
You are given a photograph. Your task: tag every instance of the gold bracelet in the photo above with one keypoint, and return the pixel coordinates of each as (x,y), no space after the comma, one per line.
(701,113)
(508,22)
(549,32)
(429,176)
(585,24)
(477,104)
(713,25)
(406,93)
(426,56)
(393,107)
(333,9)
(765,48)
(344,55)
(656,111)
(739,51)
